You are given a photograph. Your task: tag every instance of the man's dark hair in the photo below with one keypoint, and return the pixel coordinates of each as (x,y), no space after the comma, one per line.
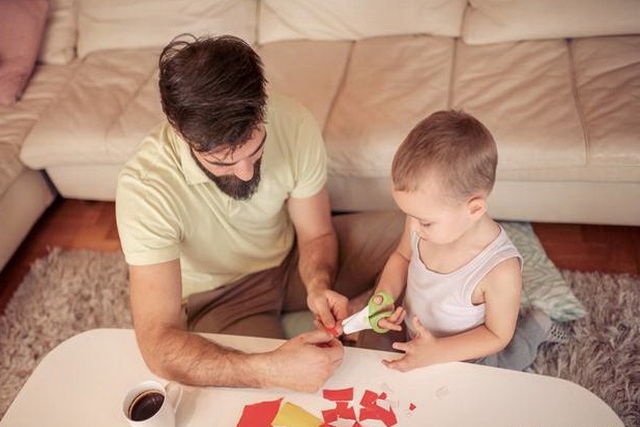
(212,90)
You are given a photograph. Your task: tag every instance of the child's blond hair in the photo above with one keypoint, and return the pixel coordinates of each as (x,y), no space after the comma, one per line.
(454,145)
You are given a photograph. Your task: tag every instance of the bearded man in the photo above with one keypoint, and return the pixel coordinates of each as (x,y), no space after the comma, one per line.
(224,220)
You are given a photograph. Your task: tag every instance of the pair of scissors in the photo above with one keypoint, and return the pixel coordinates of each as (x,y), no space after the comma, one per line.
(380,306)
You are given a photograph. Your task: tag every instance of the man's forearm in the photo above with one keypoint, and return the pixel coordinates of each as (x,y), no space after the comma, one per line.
(191,359)
(318,261)
(298,364)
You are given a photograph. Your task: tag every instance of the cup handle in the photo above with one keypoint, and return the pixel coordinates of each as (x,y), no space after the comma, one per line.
(174,393)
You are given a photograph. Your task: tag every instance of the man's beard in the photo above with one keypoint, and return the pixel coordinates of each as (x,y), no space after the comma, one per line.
(233,186)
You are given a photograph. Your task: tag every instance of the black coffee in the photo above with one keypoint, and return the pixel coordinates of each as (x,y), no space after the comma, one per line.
(145,405)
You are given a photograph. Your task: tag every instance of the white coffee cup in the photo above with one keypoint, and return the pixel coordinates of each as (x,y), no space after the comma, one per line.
(149,404)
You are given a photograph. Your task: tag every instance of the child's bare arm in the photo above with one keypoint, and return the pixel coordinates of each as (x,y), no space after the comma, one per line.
(502,299)
(393,278)
(502,290)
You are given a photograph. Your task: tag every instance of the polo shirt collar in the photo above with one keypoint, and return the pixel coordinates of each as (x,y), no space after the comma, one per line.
(192,172)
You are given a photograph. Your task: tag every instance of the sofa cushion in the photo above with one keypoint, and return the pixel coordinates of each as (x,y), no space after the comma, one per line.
(117,24)
(523,92)
(313,81)
(391,83)
(10,166)
(46,84)
(491,21)
(60,34)
(357,19)
(16,121)
(105,85)
(607,73)
(21,27)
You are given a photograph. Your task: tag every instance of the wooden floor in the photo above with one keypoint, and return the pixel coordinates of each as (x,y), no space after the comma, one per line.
(75,224)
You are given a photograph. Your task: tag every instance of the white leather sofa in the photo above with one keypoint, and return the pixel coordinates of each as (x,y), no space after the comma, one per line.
(557,82)
(25,193)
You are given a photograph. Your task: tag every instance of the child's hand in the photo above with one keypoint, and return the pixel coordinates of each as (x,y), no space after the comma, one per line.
(420,351)
(393,322)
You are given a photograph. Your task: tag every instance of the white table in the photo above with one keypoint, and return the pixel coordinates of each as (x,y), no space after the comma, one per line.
(83,380)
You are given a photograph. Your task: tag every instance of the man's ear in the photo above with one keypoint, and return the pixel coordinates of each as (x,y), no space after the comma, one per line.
(477,206)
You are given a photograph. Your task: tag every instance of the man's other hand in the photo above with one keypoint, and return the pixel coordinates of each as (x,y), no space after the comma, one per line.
(304,363)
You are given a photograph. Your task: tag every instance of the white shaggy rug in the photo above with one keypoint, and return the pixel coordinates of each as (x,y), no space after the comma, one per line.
(68,292)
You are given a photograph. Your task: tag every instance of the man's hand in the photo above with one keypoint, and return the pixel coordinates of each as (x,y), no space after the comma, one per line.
(420,351)
(304,363)
(328,306)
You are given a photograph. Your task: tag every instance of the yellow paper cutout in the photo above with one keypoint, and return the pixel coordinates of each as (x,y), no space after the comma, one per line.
(291,415)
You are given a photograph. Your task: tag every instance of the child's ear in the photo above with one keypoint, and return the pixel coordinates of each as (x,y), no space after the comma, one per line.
(477,206)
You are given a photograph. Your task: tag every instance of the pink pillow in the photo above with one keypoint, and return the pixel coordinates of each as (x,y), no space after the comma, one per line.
(21,27)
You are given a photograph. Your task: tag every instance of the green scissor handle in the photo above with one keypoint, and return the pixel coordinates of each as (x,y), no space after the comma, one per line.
(376,310)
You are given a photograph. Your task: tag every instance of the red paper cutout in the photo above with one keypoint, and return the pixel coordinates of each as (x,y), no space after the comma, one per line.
(333,331)
(375,412)
(259,414)
(412,407)
(329,415)
(335,395)
(369,398)
(369,408)
(345,412)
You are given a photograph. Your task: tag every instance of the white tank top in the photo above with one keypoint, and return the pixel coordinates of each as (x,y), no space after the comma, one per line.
(442,302)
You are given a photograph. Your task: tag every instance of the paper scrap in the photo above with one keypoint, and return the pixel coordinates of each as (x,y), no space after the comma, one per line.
(374,412)
(345,411)
(291,415)
(259,414)
(395,404)
(386,388)
(345,394)
(330,415)
(333,331)
(371,410)
(369,398)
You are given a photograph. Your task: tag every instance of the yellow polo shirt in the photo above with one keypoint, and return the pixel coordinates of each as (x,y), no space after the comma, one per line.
(167,208)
